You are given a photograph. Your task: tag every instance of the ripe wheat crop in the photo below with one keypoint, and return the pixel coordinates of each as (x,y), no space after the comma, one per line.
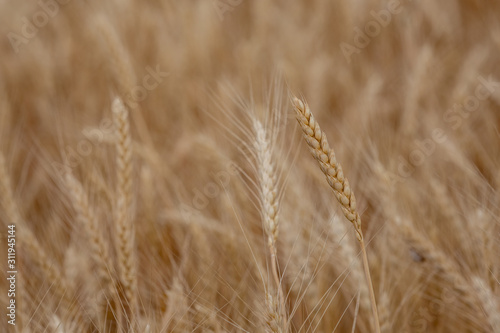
(155,169)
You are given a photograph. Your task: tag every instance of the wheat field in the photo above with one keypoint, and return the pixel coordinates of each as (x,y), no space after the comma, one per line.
(155,173)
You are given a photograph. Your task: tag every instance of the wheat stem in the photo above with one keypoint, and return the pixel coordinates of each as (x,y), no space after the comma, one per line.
(321,151)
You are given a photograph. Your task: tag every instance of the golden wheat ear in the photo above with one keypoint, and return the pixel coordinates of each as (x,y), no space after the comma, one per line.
(325,156)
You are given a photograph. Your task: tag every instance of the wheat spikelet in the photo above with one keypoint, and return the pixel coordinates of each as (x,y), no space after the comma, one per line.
(321,151)
(125,242)
(269,203)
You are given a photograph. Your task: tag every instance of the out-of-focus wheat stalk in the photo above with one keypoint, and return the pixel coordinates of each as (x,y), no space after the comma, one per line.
(269,203)
(99,251)
(124,222)
(27,240)
(321,151)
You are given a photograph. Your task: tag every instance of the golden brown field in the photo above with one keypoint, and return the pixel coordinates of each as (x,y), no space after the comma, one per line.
(156,179)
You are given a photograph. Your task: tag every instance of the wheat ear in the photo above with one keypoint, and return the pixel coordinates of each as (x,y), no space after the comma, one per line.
(125,228)
(98,248)
(269,203)
(321,151)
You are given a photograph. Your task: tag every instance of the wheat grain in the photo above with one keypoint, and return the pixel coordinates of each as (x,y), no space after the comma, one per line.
(321,151)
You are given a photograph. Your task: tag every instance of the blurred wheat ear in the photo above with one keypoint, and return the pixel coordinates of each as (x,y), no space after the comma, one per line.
(124,222)
(276,316)
(321,151)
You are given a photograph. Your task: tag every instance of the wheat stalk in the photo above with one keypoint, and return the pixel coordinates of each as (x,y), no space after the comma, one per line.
(28,240)
(98,248)
(269,203)
(321,151)
(125,228)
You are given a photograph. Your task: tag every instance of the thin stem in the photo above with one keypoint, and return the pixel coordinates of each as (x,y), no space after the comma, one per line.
(274,268)
(370,285)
